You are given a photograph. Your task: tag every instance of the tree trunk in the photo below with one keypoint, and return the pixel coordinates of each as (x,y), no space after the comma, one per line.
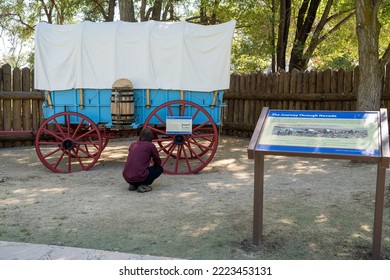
(111,10)
(272,37)
(142,11)
(304,26)
(157,8)
(126,10)
(284,26)
(168,13)
(370,70)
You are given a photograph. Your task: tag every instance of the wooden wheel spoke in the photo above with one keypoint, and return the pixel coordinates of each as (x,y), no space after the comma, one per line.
(164,147)
(192,152)
(84,151)
(195,154)
(59,128)
(69,161)
(170,110)
(200,126)
(195,114)
(182,110)
(77,129)
(154,129)
(194,142)
(52,152)
(205,137)
(162,140)
(84,135)
(59,159)
(67,122)
(44,130)
(160,119)
(172,148)
(50,143)
(200,145)
(186,158)
(178,157)
(75,153)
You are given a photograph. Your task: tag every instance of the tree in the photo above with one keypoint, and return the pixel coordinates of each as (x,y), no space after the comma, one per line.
(98,9)
(158,10)
(207,12)
(315,20)
(269,35)
(288,34)
(371,67)
(18,19)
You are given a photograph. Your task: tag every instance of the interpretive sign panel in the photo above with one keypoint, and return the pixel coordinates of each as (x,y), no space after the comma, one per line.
(323,134)
(341,133)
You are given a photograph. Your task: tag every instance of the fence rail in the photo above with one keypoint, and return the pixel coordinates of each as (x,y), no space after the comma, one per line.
(21,105)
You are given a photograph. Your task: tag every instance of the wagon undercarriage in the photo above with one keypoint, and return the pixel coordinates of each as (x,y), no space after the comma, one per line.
(70,142)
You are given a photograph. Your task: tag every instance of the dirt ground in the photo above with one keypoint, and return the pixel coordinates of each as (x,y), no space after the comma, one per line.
(314,208)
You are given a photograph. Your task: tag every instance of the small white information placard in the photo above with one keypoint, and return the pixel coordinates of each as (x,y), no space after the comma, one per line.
(179,124)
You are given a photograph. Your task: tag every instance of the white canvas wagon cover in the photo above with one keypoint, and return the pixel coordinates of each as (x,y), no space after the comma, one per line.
(152,54)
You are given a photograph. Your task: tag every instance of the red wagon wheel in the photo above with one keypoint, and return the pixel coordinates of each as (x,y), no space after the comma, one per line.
(68,142)
(184,153)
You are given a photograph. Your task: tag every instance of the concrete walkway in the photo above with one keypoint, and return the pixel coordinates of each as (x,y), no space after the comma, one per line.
(26,251)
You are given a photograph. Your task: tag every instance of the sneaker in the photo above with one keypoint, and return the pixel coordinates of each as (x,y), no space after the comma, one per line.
(144,188)
(132,187)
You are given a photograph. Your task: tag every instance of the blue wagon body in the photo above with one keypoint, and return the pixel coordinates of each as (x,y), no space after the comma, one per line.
(96,104)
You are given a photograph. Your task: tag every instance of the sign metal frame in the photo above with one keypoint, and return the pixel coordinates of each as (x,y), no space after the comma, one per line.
(370,142)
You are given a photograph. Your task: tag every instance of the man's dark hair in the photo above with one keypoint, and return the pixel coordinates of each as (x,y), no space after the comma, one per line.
(146,135)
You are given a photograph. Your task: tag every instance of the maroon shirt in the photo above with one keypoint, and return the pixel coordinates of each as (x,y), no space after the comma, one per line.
(138,160)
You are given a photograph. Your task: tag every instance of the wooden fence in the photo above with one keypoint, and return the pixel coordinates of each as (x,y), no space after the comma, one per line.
(21,106)
(311,90)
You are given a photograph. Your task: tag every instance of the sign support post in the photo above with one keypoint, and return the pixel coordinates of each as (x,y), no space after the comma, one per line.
(258,199)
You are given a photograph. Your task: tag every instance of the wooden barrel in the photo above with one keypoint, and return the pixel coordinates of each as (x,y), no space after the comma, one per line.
(122,103)
(122,107)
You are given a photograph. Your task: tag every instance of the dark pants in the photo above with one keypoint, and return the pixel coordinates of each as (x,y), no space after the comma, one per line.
(154,172)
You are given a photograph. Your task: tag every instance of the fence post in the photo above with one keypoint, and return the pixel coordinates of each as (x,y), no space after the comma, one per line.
(26,104)
(7,125)
(17,104)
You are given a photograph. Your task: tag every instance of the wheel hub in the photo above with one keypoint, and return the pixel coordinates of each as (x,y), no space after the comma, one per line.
(68,144)
(179,139)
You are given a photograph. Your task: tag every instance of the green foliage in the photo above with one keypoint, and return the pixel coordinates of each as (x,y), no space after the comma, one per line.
(18,19)
(254,43)
(384,19)
(339,51)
